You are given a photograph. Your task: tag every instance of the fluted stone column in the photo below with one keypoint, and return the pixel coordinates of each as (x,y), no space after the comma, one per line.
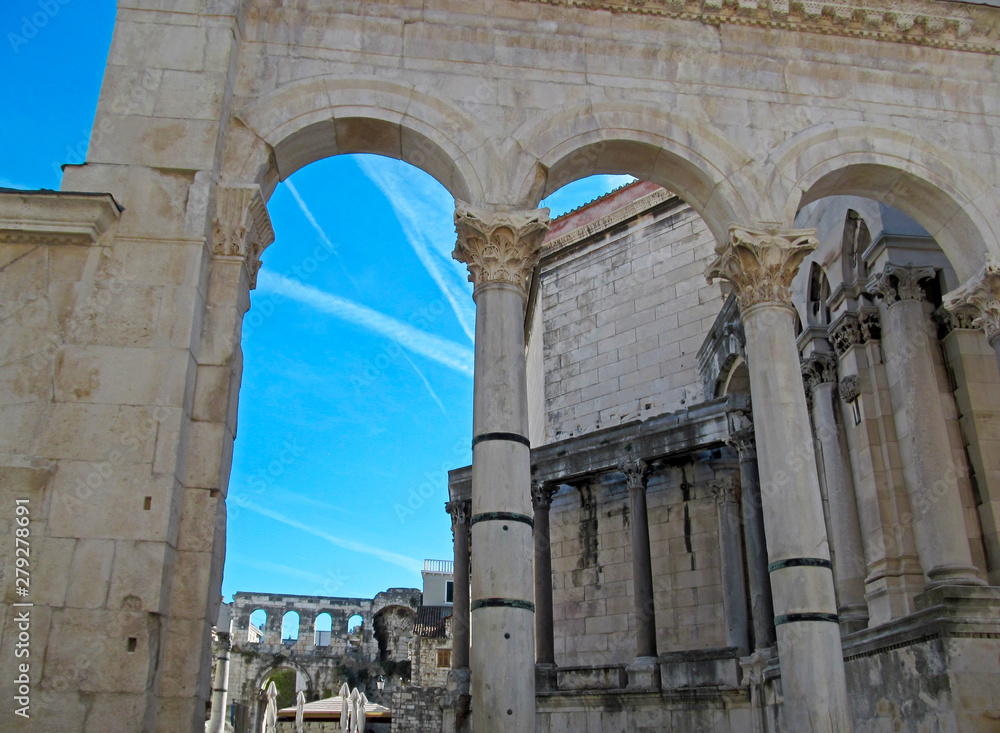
(981,293)
(734,597)
(460,511)
(760,264)
(220,685)
(761,603)
(644,672)
(501,248)
(819,372)
(545,653)
(928,470)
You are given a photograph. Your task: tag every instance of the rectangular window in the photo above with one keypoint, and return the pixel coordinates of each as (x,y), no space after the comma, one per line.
(449,593)
(444,657)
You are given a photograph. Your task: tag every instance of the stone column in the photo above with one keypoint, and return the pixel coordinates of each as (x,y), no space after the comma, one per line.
(501,249)
(938,520)
(460,511)
(644,672)
(545,653)
(734,596)
(819,372)
(981,293)
(760,264)
(761,603)
(220,686)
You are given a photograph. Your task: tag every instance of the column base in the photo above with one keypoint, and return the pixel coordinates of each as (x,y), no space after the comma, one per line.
(644,674)
(545,678)
(953,575)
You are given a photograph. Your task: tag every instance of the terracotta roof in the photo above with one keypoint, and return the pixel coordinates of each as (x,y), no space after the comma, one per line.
(429,621)
(329,709)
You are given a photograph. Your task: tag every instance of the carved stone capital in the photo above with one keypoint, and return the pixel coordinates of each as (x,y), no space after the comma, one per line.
(980,296)
(636,472)
(761,263)
(818,369)
(725,490)
(853,329)
(850,388)
(499,247)
(241,227)
(542,493)
(460,511)
(899,282)
(745,443)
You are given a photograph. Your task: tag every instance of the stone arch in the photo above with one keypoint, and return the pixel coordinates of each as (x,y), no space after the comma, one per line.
(273,665)
(734,377)
(650,144)
(945,195)
(318,117)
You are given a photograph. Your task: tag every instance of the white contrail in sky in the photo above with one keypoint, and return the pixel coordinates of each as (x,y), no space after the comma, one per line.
(254,562)
(407,563)
(427,385)
(434,254)
(308,214)
(443,351)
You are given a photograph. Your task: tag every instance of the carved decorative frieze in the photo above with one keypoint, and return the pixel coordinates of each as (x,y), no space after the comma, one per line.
(460,511)
(853,329)
(964,317)
(761,263)
(636,472)
(542,493)
(499,247)
(899,282)
(980,297)
(818,369)
(923,22)
(242,227)
(850,388)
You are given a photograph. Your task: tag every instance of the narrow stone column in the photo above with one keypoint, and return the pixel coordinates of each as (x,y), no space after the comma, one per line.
(220,685)
(928,470)
(545,653)
(501,250)
(761,263)
(734,595)
(981,293)
(460,511)
(644,672)
(761,603)
(819,372)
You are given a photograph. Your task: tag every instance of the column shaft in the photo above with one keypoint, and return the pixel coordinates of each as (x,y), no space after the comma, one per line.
(761,603)
(734,597)
(928,469)
(544,642)
(501,250)
(849,567)
(761,264)
(220,685)
(460,511)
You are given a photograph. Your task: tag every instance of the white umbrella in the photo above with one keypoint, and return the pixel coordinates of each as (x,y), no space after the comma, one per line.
(345,710)
(361,713)
(355,697)
(271,713)
(300,711)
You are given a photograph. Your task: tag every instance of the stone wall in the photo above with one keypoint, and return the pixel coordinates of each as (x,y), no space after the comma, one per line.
(624,313)
(417,709)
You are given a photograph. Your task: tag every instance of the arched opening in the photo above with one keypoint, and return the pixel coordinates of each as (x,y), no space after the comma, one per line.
(255,628)
(355,624)
(284,680)
(323,629)
(817,308)
(737,381)
(290,628)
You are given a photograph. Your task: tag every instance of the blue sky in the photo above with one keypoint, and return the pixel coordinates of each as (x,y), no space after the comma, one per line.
(358,348)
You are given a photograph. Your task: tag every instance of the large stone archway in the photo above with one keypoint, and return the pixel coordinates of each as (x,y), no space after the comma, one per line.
(137,291)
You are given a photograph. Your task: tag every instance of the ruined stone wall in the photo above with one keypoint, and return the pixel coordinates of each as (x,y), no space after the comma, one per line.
(624,316)
(417,709)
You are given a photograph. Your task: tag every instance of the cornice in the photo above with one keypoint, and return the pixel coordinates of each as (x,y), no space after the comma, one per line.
(52,218)
(957,26)
(618,216)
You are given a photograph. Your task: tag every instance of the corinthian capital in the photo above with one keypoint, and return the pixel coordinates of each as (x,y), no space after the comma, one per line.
(499,247)
(241,227)
(981,294)
(460,511)
(542,493)
(761,263)
(818,368)
(898,282)
(636,472)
